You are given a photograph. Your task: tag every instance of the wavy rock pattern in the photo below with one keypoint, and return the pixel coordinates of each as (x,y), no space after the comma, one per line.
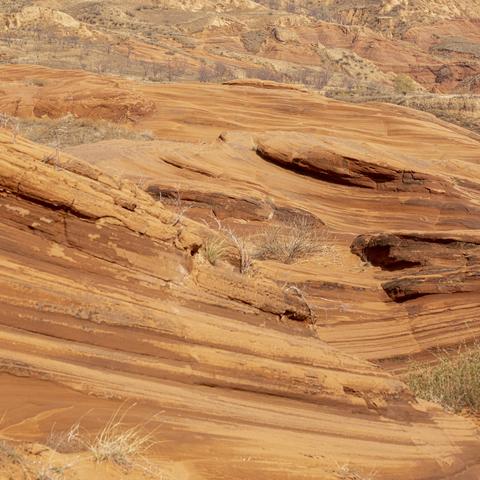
(104,291)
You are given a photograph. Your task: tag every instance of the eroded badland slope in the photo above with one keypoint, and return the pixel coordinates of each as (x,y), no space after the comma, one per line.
(113,288)
(337,45)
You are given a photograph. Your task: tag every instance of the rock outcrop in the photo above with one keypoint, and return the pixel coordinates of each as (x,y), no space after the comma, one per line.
(432,264)
(107,295)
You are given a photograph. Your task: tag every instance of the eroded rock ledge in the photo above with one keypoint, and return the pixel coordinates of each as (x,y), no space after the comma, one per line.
(427,263)
(314,156)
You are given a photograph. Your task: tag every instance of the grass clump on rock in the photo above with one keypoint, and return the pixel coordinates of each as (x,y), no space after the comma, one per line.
(290,242)
(453,382)
(215,249)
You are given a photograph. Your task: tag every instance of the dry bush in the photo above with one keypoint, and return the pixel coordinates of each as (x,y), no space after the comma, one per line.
(265,73)
(31,470)
(290,242)
(12,124)
(253,39)
(404,84)
(36,82)
(173,199)
(459,109)
(204,73)
(117,443)
(454,382)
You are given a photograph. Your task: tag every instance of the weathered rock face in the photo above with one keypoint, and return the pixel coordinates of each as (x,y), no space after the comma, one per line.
(312,156)
(105,288)
(433,264)
(394,16)
(106,100)
(113,281)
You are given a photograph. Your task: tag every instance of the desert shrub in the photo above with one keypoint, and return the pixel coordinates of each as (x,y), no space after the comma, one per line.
(204,73)
(221,71)
(253,39)
(36,82)
(51,472)
(123,445)
(243,249)
(264,73)
(453,382)
(404,84)
(290,242)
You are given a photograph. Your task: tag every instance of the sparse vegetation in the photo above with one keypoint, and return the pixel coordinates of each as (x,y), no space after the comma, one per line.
(121,444)
(253,39)
(67,441)
(240,244)
(404,84)
(173,198)
(290,242)
(12,124)
(69,131)
(215,248)
(460,109)
(51,472)
(312,319)
(9,452)
(204,73)
(246,260)
(118,443)
(453,382)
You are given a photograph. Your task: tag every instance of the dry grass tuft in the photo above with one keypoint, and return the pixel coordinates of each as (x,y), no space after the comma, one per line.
(51,472)
(121,444)
(454,382)
(289,243)
(9,452)
(215,249)
(240,245)
(66,442)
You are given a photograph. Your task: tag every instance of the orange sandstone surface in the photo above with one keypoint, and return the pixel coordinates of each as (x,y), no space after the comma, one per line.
(287,371)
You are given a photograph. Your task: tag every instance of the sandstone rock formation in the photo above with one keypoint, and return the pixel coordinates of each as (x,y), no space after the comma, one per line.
(283,371)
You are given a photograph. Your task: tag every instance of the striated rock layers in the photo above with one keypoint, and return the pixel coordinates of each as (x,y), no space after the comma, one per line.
(106,293)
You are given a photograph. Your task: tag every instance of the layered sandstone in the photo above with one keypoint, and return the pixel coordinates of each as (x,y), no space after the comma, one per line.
(107,294)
